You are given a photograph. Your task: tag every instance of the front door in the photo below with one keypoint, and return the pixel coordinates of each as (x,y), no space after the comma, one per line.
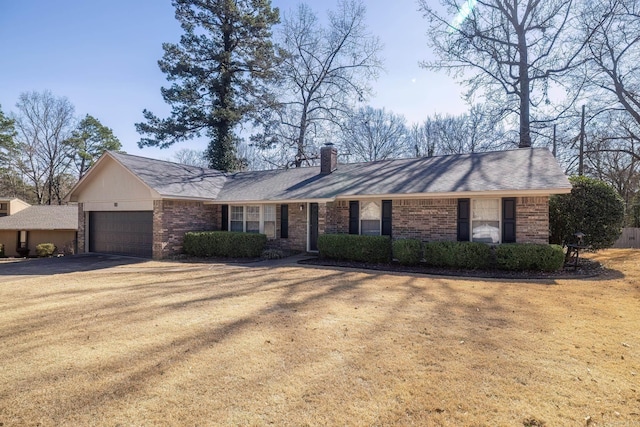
(313,226)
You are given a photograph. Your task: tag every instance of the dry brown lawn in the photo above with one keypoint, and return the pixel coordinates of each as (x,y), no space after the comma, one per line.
(165,343)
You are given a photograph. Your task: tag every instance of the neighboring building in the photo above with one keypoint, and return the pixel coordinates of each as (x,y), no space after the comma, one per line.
(26,226)
(11,206)
(138,206)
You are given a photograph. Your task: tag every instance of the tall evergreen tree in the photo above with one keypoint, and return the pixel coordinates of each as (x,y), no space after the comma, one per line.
(7,145)
(90,139)
(219,69)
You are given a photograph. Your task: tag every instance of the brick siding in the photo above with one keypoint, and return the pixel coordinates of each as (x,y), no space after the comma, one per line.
(297,240)
(173,218)
(436,219)
(81,229)
(337,217)
(425,219)
(532,220)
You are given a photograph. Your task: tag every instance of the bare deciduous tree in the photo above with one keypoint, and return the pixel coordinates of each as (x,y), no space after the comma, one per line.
(325,70)
(191,157)
(373,134)
(612,72)
(471,132)
(44,124)
(512,51)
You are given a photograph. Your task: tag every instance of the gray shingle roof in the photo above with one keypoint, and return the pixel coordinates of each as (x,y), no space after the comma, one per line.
(512,170)
(42,218)
(174,179)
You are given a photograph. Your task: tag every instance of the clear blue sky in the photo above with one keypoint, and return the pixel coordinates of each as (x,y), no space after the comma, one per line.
(102,55)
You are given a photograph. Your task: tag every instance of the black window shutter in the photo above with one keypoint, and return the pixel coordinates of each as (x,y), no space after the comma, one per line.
(225,218)
(386,217)
(284,221)
(509,220)
(354,217)
(464,207)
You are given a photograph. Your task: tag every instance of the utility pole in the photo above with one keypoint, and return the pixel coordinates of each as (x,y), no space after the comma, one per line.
(581,158)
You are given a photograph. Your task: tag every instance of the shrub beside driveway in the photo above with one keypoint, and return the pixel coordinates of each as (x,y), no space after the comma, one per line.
(162,343)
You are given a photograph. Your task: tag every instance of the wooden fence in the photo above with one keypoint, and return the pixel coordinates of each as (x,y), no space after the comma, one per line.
(630,238)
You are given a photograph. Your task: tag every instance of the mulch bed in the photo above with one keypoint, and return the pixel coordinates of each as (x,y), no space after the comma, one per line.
(586,269)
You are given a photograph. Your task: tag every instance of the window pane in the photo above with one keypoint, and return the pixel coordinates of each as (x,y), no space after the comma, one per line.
(253,226)
(485,220)
(269,213)
(236,226)
(270,229)
(486,231)
(253,213)
(236,213)
(488,209)
(369,227)
(370,210)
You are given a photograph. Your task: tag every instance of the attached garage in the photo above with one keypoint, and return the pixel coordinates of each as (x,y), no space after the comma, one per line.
(121,233)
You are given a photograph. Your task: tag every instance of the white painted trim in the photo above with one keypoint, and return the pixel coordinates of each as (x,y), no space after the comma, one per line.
(267,202)
(499,199)
(397,196)
(456,195)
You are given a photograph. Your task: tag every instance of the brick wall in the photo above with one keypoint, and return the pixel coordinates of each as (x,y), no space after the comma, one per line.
(424,219)
(173,218)
(436,219)
(337,217)
(532,220)
(297,240)
(427,219)
(81,229)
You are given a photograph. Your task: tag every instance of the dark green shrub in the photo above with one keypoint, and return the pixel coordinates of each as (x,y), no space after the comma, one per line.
(593,208)
(407,251)
(353,247)
(468,255)
(1,250)
(224,244)
(45,249)
(529,256)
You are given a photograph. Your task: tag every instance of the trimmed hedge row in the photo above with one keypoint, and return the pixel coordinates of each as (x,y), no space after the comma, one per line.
(468,255)
(224,244)
(354,247)
(407,251)
(465,255)
(529,256)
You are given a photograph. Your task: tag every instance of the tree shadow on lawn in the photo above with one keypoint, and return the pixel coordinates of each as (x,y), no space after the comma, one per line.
(65,264)
(290,299)
(587,270)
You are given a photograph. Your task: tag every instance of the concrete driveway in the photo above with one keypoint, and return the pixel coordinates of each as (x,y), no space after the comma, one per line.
(10,268)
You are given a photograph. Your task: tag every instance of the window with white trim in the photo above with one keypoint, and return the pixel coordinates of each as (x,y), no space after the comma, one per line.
(485,220)
(370,215)
(269,218)
(253,219)
(236,219)
(22,239)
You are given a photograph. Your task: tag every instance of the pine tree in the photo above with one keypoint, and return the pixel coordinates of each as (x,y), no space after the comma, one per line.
(90,139)
(7,144)
(219,72)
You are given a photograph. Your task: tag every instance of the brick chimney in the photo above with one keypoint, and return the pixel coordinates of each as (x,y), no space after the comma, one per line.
(328,159)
